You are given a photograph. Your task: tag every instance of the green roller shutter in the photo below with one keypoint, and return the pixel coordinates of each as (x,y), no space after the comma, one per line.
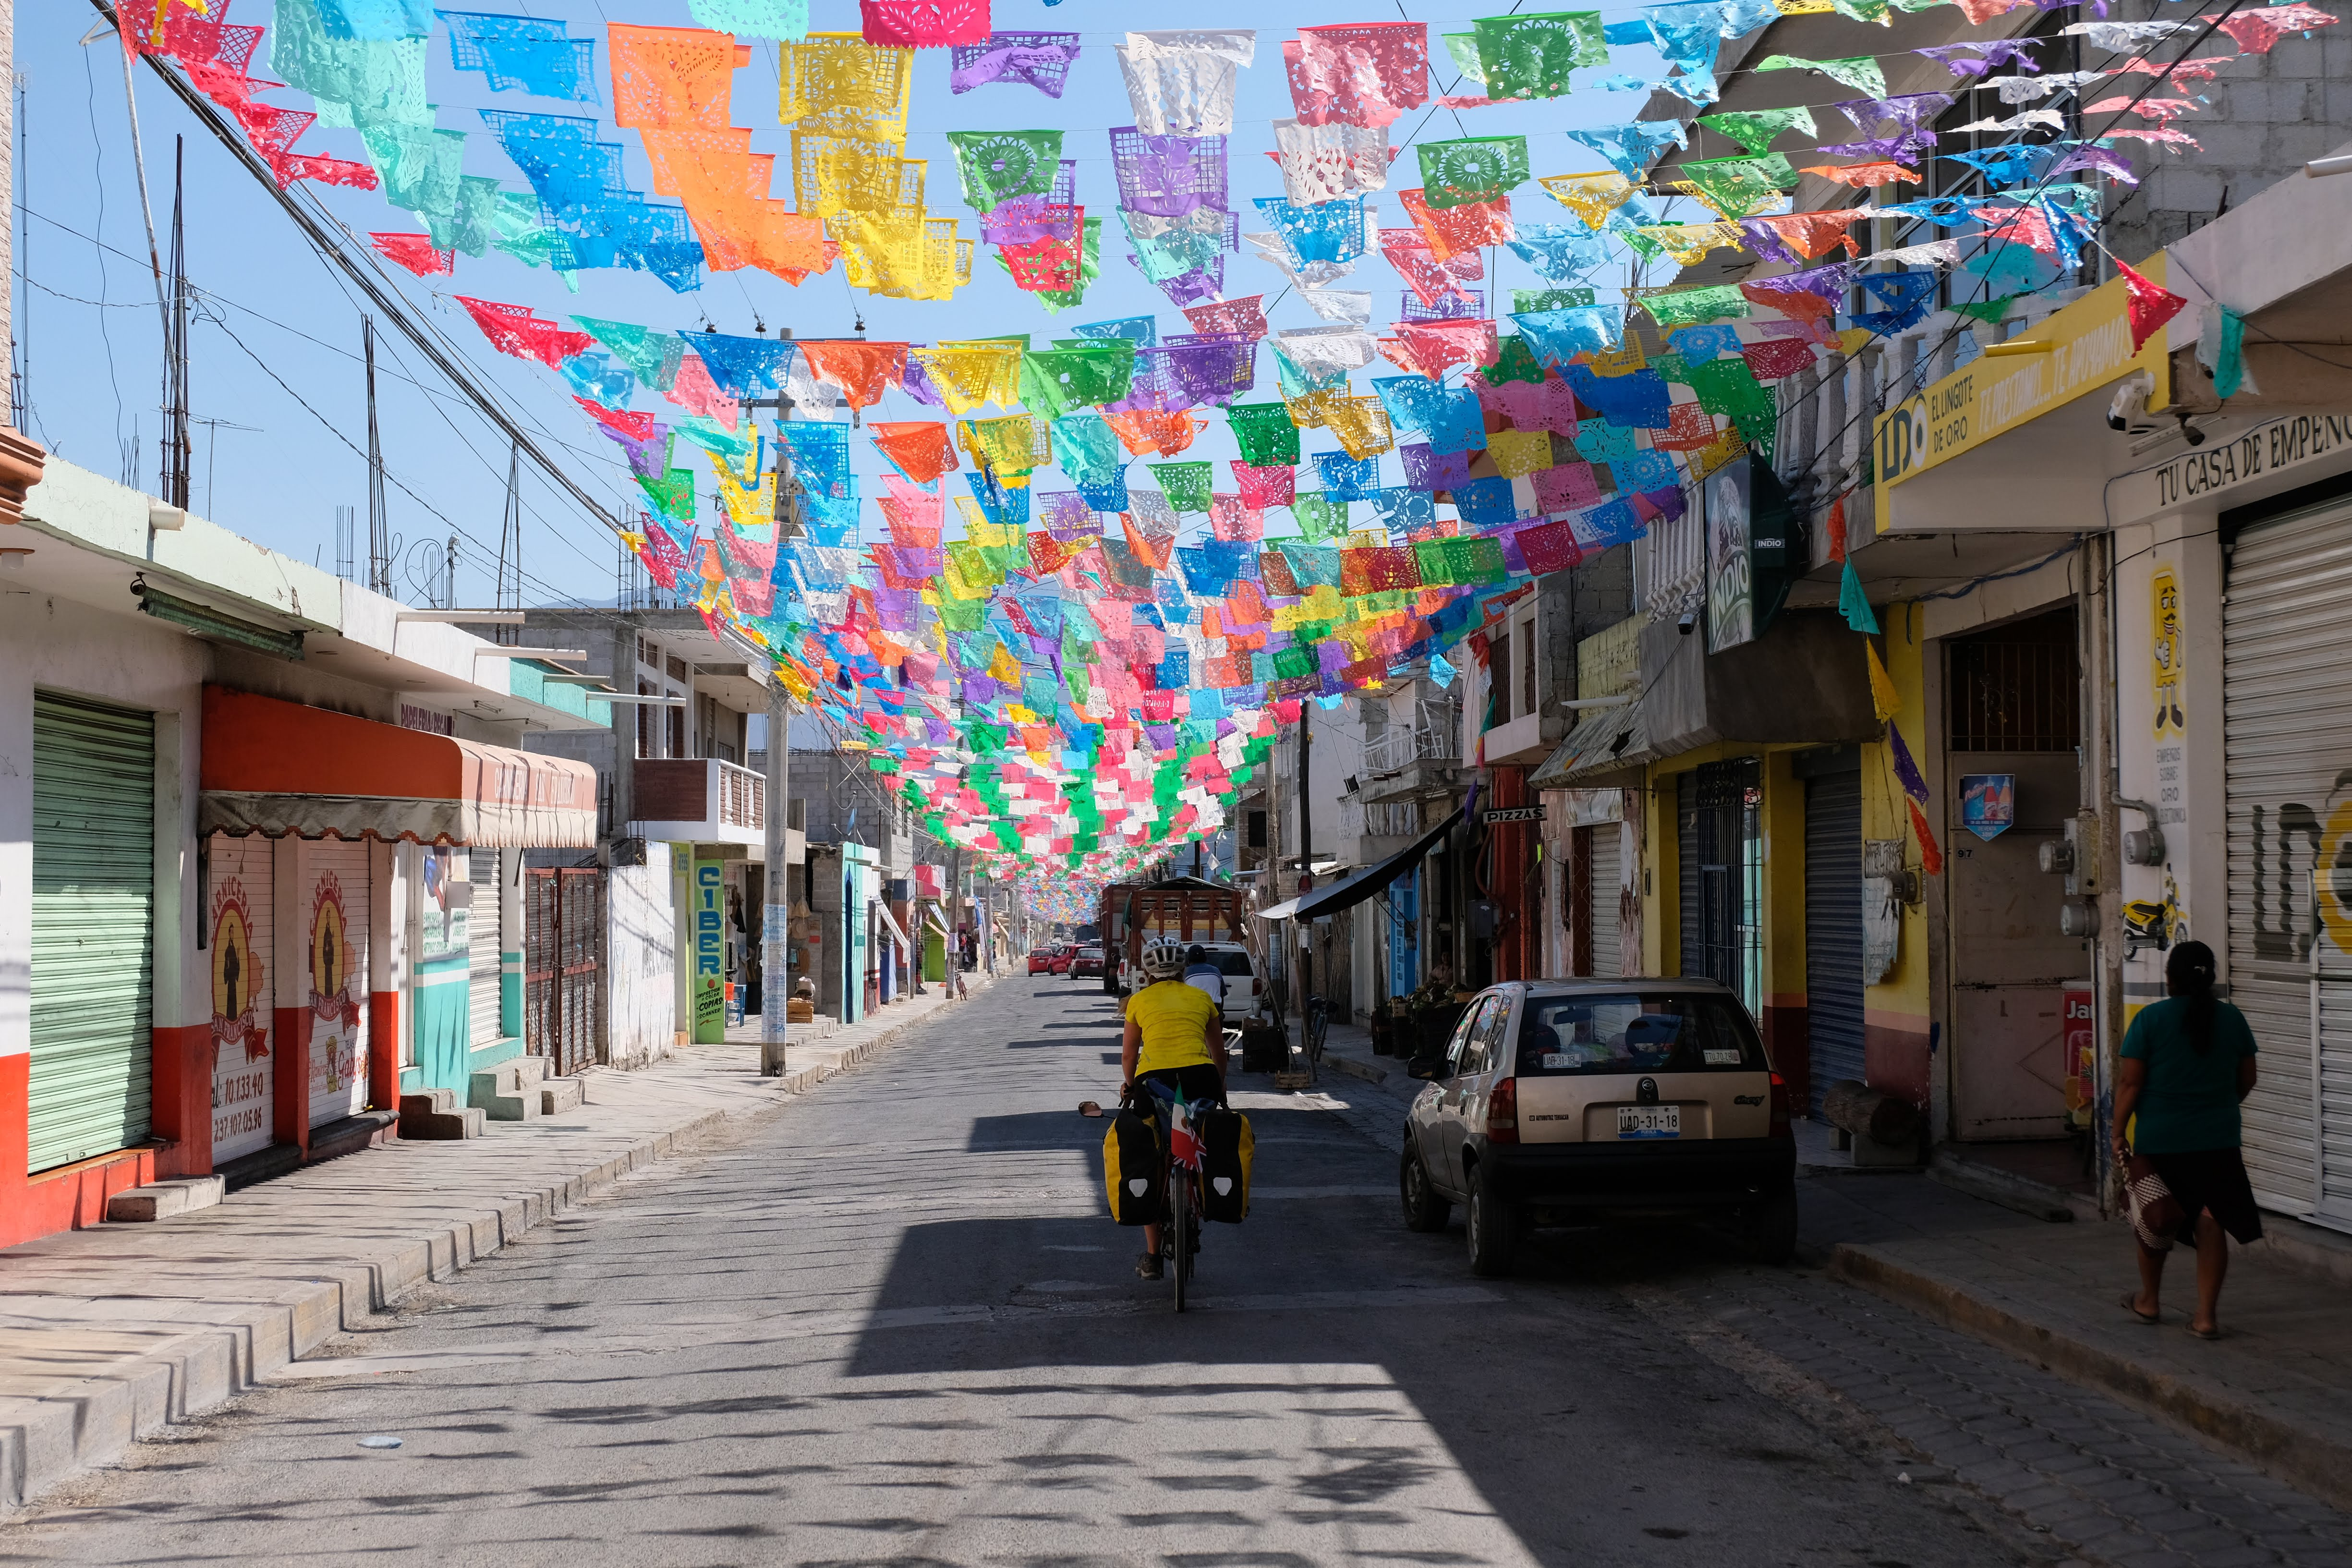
(93,927)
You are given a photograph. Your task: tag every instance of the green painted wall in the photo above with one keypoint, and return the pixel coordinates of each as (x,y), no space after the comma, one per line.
(439,1031)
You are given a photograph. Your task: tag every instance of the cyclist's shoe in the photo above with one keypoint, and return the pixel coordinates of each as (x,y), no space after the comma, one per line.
(1150,1267)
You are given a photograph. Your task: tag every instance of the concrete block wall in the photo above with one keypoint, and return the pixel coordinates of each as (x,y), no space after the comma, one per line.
(2265,117)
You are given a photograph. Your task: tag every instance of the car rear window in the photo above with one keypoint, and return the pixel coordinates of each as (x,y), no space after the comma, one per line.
(1654,1032)
(1231,962)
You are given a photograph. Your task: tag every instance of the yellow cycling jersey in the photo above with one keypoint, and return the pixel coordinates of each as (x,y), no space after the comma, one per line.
(1174,1018)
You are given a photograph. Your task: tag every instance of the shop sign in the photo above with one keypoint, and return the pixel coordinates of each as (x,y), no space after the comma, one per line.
(1730,572)
(1989,803)
(1512,814)
(2082,348)
(2266,449)
(2082,1058)
(709,953)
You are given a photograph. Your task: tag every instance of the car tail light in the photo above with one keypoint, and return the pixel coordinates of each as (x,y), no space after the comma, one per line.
(1257,987)
(1780,1107)
(1502,1112)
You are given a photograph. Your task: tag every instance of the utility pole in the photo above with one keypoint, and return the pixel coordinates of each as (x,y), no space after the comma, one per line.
(1306,855)
(776,904)
(507,593)
(379,525)
(178,451)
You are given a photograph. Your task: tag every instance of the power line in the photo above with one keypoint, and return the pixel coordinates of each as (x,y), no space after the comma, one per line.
(395,309)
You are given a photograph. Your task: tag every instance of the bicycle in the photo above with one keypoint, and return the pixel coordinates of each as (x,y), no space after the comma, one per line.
(1315,1026)
(1180,1226)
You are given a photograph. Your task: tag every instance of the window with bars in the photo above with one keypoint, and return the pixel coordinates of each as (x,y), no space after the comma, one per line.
(2016,688)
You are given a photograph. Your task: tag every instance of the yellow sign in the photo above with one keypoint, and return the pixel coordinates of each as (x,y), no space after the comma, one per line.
(2074,350)
(2164,652)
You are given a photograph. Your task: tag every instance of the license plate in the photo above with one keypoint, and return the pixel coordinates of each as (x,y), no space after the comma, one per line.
(1649,1122)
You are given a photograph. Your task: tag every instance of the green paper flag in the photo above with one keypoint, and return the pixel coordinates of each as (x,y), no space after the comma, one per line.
(1319,517)
(1755,128)
(1530,301)
(1476,169)
(1859,72)
(1739,187)
(994,164)
(1264,434)
(1530,57)
(1689,307)
(1186,485)
(672,495)
(1056,381)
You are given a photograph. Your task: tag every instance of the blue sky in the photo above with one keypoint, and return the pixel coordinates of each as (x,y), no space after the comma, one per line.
(91,341)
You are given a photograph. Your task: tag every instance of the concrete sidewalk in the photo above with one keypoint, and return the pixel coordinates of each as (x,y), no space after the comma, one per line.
(2277,1391)
(111,1333)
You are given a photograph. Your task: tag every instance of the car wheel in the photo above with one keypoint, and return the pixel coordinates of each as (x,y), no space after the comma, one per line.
(1773,1227)
(1493,1225)
(1424,1210)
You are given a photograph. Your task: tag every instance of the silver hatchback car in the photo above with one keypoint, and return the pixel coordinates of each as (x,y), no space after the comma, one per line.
(1558,1102)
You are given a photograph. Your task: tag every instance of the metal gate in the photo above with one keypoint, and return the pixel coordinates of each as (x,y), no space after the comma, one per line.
(563,923)
(1833,983)
(1722,872)
(1604,897)
(93,928)
(2286,685)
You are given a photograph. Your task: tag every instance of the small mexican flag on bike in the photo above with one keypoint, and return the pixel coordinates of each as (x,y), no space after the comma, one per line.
(1183,1143)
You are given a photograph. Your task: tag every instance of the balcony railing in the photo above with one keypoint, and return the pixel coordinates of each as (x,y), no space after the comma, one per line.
(698,799)
(1434,736)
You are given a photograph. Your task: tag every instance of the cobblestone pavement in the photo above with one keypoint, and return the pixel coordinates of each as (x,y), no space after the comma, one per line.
(892,1330)
(2104,1482)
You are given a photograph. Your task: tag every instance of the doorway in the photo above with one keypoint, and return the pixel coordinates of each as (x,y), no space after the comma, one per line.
(2012,780)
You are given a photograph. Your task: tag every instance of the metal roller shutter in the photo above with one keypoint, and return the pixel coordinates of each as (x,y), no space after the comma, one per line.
(2286,745)
(1606,899)
(335,982)
(1690,953)
(240,952)
(482,949)
(1834,983)
(93,928)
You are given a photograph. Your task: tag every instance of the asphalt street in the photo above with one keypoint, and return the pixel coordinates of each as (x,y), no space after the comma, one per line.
(889,1326)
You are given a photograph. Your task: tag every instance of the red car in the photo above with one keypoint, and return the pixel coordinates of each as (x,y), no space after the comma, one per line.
(1087,961)
(1063,955)
(1042,962)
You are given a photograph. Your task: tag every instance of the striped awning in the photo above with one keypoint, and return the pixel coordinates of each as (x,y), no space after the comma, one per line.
(281,768)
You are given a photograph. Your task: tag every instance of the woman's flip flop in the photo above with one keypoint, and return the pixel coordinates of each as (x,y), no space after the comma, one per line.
(2131,1305)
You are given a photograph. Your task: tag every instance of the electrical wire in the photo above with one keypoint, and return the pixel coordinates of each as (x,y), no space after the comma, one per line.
(318,225)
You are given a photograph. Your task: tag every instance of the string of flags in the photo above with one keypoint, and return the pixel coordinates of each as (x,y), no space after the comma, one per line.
(1065,641)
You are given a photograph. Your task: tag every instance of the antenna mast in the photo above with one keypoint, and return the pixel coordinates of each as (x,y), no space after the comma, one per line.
(178,450)
(379,525)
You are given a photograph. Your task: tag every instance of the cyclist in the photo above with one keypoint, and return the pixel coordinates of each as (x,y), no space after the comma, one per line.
(1204,976)
(1175,1036)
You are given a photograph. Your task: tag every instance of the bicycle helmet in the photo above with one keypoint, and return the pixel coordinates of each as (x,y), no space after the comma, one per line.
(1163,961)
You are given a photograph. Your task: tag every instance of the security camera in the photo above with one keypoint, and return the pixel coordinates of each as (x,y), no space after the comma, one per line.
(2130,409)
(1688,623)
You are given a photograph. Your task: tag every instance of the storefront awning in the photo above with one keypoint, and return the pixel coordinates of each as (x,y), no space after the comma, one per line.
(884,911)
(1349,891)
(279,768)
(1610,746)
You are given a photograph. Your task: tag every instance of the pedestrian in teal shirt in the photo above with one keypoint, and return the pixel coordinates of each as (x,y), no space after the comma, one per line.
(2188,1060)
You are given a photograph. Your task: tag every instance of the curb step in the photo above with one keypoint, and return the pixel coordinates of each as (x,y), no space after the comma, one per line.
(2303,1458)
(436,1115)
(165,1200)
(509,1091)
(558,1095)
